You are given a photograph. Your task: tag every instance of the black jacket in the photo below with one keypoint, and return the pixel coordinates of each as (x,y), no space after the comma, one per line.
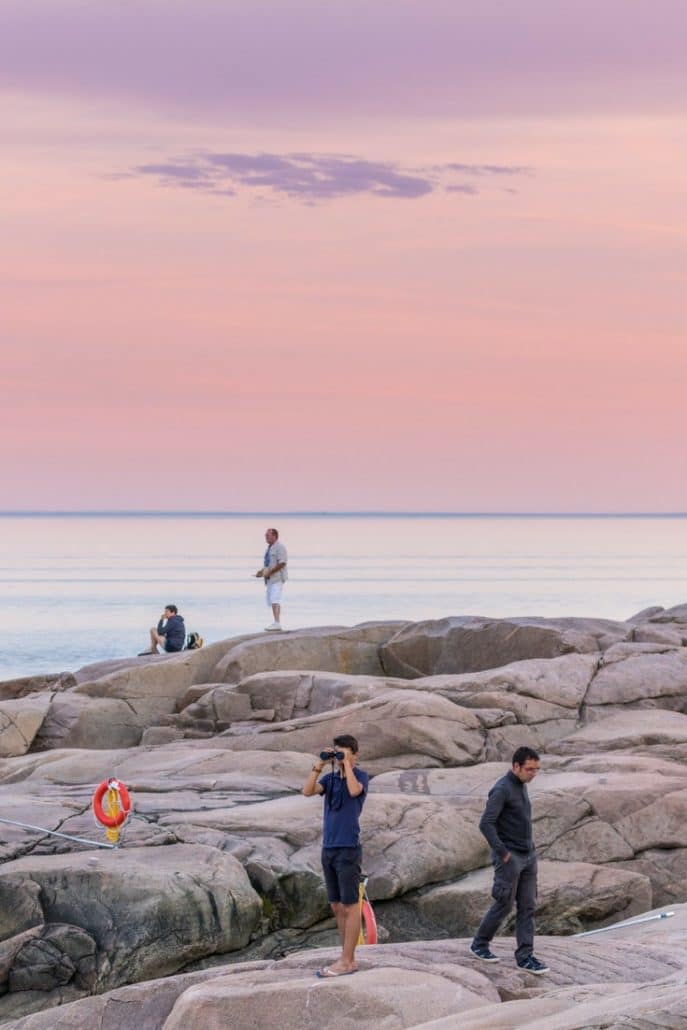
(507,818)
(174,632)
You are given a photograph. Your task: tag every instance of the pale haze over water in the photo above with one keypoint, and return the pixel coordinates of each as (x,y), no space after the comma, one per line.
(81,588)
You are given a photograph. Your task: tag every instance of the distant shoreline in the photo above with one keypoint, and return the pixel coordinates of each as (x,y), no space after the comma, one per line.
(151,513)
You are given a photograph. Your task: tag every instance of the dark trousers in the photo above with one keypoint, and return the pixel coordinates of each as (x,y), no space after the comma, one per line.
(515,882)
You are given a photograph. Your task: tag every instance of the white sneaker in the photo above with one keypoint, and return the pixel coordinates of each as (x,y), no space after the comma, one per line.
(274,628)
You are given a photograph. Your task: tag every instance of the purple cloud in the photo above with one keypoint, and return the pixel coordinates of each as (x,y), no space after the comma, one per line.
(241,60)
(310,177)
(487,169)
(173,171)
(321,176)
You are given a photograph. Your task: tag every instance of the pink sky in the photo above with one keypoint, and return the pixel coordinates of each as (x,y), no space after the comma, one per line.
(424,256)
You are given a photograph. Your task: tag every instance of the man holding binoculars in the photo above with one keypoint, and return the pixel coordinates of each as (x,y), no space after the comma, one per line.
(344,789)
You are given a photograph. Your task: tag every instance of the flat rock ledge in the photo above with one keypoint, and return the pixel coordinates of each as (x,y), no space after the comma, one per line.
(632,978)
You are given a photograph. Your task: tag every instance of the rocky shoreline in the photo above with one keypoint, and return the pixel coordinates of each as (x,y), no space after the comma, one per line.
(217,887)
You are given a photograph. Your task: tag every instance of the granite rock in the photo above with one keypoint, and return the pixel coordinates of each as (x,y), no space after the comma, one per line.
(472,644)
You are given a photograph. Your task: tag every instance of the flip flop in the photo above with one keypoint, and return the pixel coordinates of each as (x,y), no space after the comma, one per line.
(326,972)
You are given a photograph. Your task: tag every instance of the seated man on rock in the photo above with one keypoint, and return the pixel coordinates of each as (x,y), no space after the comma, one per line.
(170,633)
(344,790)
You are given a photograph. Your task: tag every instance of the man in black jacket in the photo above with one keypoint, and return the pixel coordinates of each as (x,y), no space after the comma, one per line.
(507,825)
(170,633)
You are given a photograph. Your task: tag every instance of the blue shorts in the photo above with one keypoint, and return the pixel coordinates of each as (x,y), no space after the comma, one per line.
(342,871)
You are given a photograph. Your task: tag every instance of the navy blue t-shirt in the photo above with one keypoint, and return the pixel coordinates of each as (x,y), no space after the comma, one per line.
(341,828)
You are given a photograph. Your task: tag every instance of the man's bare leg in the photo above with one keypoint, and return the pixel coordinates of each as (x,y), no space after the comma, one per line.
(348,921)
(155,639)
(339,915)
(276,611)
(351,934)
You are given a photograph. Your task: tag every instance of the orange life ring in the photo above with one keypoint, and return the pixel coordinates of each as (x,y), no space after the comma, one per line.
(369,923)
(124,803)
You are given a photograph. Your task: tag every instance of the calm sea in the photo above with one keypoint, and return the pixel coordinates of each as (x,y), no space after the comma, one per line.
(79,588)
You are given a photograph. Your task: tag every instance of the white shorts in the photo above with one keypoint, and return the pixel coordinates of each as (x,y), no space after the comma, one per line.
(273,592)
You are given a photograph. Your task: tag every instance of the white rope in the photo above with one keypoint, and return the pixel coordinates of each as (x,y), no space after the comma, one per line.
(54,833)
(627,922)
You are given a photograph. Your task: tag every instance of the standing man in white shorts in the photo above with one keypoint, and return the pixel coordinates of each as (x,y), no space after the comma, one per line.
(274,573)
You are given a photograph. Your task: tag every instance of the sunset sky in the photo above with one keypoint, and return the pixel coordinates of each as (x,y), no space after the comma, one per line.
(326,255)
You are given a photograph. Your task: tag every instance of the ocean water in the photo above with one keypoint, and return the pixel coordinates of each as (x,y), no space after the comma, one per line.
(80,588)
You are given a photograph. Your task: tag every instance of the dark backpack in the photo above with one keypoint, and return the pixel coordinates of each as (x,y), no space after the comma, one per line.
(194,641)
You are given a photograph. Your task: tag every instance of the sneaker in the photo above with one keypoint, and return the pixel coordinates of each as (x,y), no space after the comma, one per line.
(533,965)
(274,628)
(484,954)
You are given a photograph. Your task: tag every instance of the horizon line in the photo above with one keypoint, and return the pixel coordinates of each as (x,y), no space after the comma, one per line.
(353,513)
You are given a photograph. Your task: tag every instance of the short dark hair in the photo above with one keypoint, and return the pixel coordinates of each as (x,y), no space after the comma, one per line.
(522,754)
(275,531)
(346,740)
(171,608)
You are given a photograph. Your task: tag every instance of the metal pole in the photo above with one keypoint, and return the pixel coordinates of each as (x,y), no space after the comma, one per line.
(54,833)
(627,922)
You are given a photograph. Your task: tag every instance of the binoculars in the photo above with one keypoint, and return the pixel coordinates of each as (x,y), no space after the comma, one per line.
(329,756)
